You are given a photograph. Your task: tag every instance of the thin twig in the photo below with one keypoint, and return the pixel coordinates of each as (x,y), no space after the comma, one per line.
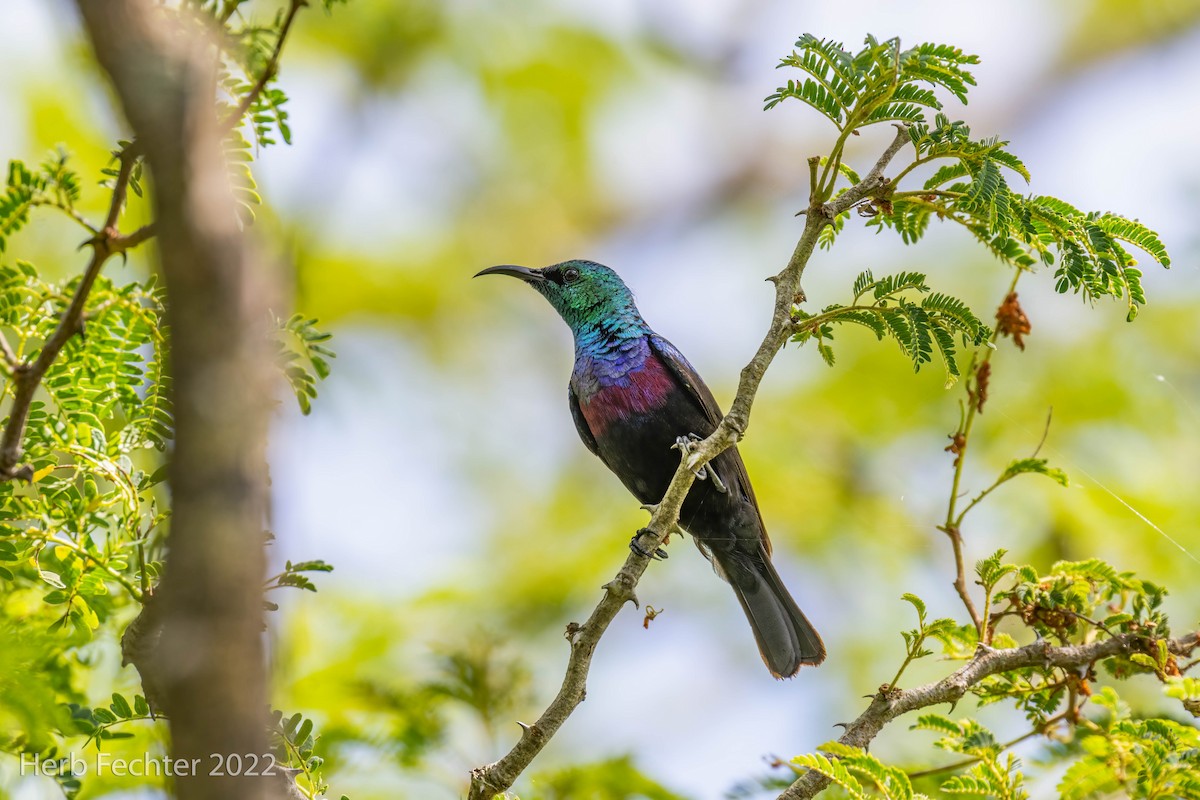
(952,526)
(70,212)
(1045,432)
(27,375)
(107,242)
(960,578)
(887,706)
(269,72)
(496,778)
(6,351)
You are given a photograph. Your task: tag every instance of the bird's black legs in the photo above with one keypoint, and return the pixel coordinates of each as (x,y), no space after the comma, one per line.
(636,546)
(685,445)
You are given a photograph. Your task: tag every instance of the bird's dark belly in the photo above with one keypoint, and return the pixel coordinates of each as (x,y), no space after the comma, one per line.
(638,449)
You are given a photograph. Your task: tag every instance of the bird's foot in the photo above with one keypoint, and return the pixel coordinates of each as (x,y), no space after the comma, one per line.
(636,546)
(685,445)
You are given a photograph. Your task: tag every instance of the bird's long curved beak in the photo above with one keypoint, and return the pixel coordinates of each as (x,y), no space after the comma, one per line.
(524,273)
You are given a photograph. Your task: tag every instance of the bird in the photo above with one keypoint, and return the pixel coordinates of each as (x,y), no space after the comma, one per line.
(634,398)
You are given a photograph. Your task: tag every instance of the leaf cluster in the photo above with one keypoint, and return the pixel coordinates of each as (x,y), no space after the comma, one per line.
(303,355)
(52,184)
(886,307)
(878,83)
(81,543)
(1089,250)
(82,529)
(1074,603)
(1086,597)
(293,575)
(98,723)
(1137,758)
(942,629)
(293,742)
(993,775)
(860,775)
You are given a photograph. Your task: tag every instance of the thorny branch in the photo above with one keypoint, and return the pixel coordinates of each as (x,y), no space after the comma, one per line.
(27,375)
(887,705)
(496,778)
(108,242)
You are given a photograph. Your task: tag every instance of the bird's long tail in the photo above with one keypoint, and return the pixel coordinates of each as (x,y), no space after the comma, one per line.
(786,639)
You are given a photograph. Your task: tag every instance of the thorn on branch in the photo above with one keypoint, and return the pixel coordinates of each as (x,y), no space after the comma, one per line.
(622,591)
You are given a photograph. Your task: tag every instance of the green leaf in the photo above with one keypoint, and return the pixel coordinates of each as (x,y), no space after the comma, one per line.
(917,603)
(1037,466)
(991,569)
(892,285)
(835,771)
(120,706)
(862,283)
(937,723)
(1086,778)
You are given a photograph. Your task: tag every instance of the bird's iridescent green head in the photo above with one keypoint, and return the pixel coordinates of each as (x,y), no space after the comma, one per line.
(584,293)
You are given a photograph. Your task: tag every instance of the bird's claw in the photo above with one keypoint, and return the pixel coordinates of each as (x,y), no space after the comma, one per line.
(634,545)
(685,445)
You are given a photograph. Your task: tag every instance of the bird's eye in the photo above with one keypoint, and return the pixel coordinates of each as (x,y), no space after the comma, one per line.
(570,275)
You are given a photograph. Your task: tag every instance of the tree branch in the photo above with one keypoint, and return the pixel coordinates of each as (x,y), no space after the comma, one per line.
(107,242)
(27,375)
(496,778)
(269,72)
(198,644)
(952,527)
(888,705)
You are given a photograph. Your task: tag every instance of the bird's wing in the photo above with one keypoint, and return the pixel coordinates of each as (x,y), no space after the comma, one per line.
(687,377)
(585,433)
(732,469)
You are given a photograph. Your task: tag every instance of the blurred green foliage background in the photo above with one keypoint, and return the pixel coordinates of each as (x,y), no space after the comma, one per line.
(439,470)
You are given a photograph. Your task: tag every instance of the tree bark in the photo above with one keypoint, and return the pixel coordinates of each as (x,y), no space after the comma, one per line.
(209,662)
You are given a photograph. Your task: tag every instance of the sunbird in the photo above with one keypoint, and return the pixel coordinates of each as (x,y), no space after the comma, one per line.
(635,399)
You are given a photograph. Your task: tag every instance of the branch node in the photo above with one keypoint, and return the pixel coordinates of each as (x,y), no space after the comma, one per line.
(620,589)
(983,651)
